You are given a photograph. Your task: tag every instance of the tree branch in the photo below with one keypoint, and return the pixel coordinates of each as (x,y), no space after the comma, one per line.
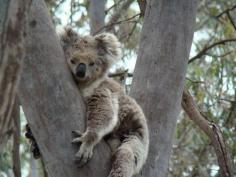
(118,22)
(96,13)
(226,11)
(12,28)
(116,16)
(16,140)
(121,73)
(156,86)
(114,5)
(211,130)
(205,49)
(231,20)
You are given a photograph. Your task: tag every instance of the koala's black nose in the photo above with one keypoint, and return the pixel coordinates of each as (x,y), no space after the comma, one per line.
(81,70)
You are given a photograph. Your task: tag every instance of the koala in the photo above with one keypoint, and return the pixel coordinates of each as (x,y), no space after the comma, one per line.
(111,113)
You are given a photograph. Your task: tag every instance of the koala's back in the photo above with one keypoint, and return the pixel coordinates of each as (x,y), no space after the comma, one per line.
(131,116)
(131,119)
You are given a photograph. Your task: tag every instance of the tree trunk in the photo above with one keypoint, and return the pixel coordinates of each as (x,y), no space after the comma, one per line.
(12,28)
(159,74)
(16,164)
(52,103)
(96,15)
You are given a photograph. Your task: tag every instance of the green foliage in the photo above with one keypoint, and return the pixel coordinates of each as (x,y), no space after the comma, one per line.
(5,159)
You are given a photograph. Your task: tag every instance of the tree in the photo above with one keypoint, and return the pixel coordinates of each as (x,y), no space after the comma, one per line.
(50,81)
(210,79)
(160,72)
(12,28)
(51,101)
(96,15)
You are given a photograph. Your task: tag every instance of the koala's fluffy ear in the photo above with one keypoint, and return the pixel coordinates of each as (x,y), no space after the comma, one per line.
(68,38)
(108,46)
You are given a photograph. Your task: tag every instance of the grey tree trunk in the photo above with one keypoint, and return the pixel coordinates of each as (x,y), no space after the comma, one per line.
(159,74)
(52,103)
(96,15)
(12,28)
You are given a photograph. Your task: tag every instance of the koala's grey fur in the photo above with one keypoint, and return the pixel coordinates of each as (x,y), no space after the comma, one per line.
(110,111)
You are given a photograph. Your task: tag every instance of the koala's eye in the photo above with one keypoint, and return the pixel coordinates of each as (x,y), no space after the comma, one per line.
(72,61)
(91,64)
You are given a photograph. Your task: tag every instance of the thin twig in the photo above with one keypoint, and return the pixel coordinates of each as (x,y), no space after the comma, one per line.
(114,5)
(194,82)
(205,49)
(231,20)
(132,31)
(120,74)
(226,10)
(230,118)
(220,56)
(116,16)
(118,22)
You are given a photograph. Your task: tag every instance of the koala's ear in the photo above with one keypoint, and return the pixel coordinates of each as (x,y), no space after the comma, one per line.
(68,37)
(109,46)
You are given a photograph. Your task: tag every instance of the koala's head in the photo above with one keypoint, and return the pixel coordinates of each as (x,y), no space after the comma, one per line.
(89,57)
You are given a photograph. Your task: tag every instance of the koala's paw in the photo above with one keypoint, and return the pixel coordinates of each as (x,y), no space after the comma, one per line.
(76,136)
(33,144)
(85,152)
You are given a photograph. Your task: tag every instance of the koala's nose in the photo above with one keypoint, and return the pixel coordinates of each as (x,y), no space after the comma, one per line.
(81,70)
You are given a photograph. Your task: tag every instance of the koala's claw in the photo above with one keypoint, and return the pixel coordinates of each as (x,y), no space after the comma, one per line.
(84,154)
(76,133)
(79,137)
(77,140)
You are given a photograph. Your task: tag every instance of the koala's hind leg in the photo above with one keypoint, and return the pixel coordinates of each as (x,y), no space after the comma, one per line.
(129,158)
(102,117)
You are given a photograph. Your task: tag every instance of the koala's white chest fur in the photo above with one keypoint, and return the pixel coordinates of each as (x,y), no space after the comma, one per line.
(88,91)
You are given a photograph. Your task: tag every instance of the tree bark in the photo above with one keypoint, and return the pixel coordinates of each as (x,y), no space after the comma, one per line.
(16,164)
(12,28)
(52,103)
(160,72)
(96,15)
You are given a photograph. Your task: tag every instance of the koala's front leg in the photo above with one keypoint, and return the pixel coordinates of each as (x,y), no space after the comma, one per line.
(102,117)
